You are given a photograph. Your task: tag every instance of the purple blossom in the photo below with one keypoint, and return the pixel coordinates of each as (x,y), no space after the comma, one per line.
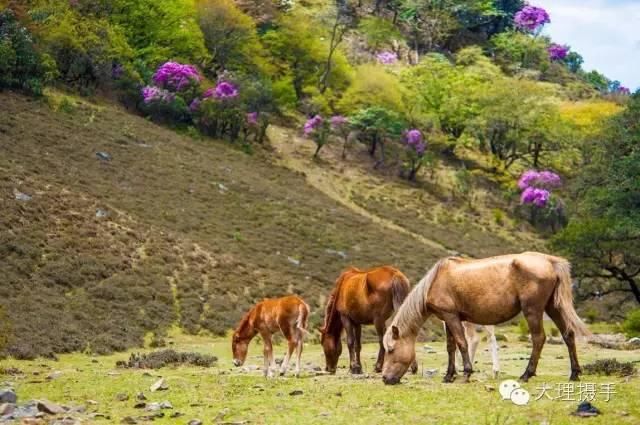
(152,94)
(226,90)
(116,71)
(210,92)
(252,118)
(624,90)
(387,57)
(539,179)
(195,105)
(535,196)
(338,121)
(557,51)
(312,124)
(415,141)
(176,76)
(531,18)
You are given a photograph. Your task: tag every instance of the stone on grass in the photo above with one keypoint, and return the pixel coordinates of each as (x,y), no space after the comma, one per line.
(195,422)
(50,408)
(586,409)
(128,420)
(54,375)
(634,342)
(7,408)
(296,392)
(103,156)
(122,396)
(141,396)
(159,385)
(7,395)
(21,196)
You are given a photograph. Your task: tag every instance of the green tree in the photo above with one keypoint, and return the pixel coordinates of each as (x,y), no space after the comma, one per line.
(377,125)
(603,238)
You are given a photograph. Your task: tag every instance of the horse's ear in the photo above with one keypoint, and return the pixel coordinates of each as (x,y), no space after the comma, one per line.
(395,332)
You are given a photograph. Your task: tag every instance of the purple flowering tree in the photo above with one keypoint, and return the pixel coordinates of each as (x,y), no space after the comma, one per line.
(536,191)
(177,77)
(219,111)
(531,19)
(415,147)
(256,124)
(317,129)
(387,57)
(340,127)
(557,52)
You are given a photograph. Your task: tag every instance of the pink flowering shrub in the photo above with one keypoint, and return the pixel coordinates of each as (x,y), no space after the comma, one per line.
(176,77)
(415,148)
(531,18)
(536,192)
(387,57)
(317,129)
(557,52)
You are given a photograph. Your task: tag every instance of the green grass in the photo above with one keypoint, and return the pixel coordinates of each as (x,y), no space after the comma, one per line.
(248,396)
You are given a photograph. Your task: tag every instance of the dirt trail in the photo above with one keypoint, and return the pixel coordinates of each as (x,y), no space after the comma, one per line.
(295,153)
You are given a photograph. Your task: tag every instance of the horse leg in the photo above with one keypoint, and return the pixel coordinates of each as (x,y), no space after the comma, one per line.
(473,340)
(299,344)
(380,330)
(569,339)
(454,324)
(358,344)
(291,346)
(268,354)
(451,351)
(534,320)
(491,330)
(351,343)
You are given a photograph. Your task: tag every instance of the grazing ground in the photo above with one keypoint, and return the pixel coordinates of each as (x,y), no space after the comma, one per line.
(112,226)
(223,394)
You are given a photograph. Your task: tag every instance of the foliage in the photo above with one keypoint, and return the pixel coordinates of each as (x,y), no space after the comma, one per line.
(631,324)
(531,18)
(602,237)
(21,66)
(162,358)
(610,367)
(376,125)
(378,31)
(5,331)
(372,86)
(317,128)
(414,148)
(230,36)
(515,51)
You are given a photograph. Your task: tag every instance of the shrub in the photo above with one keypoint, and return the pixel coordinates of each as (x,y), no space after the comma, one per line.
(5,331)
(378,31)
(159,359)
(21,67)
(609,367)
(631,325)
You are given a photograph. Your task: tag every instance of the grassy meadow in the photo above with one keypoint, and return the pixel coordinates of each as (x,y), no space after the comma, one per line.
(223,394)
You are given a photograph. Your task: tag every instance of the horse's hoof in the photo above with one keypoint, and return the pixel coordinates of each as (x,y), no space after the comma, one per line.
(526,376)
(356,370)
(448,379)
(282,373)
(377,369)
(574,377)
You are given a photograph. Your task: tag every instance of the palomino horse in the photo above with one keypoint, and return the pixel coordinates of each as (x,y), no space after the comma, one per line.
(360,298)
(287,314)
(488,292)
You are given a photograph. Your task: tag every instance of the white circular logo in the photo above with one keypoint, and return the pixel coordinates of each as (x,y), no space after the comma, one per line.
(520,396)
(506,387)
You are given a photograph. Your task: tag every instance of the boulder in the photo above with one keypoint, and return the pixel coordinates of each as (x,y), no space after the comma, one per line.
(7,395)
(50,408)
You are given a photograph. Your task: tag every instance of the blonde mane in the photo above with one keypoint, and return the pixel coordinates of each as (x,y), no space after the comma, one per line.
(411,314)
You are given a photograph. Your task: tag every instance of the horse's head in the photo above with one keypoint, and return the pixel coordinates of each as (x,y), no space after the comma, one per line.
(400,354)
(239,346)
(332,347)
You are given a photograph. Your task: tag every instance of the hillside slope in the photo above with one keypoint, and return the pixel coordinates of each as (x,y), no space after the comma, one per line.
(102,251)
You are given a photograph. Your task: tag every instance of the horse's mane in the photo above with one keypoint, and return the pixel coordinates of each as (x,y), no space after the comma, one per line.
(410,316)
(330,308)
(244,322)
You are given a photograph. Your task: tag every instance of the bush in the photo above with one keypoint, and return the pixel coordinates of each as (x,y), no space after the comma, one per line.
(21,67)
(609,367)
(5,331)
(159,359)
(631,325)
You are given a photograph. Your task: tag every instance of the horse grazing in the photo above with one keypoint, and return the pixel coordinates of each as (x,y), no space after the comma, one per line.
(287,314)
(360,298)
(488,292)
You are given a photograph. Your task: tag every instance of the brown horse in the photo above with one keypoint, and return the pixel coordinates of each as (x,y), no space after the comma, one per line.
(488,292)
(287,314)
(360,298)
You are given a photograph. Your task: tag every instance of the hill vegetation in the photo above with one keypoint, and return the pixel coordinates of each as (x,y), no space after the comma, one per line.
(434,128)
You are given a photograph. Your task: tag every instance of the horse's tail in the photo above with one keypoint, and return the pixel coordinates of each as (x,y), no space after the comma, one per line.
(563,298)
(302,321)
(399,289)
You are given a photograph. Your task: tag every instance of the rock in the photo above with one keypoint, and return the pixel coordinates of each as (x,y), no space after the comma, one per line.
(54,375)
(634,342)
(293,261)
(154,407)
(586,409)
(25,411)
(122,396)
(140,405)
(7,408)
(194,422)
(489,388)
(7,395)
(428,373)
(166,405)
(66,421)
(176,414)
(92,402)
(97,415)
(103,156)
(613,341)
(21,196)
(221,414)
(159,385)
(296,392)
(338,253)
(339,394)
(128,420)
(77,409)
(100,213)
(152,417)
(50,408)
(141,396)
